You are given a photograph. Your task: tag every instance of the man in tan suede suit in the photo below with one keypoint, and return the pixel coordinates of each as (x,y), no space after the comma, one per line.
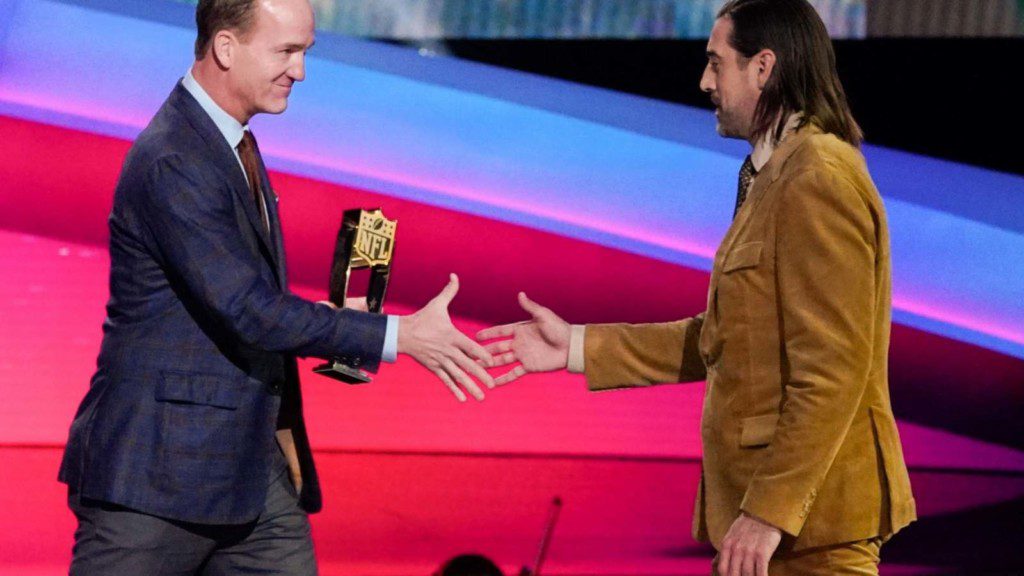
(803,472)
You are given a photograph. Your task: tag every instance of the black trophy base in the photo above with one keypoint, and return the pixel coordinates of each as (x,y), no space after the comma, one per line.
(343,372)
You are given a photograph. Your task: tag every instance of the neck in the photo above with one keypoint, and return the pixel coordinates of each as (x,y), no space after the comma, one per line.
(769,134)
(763,147)
(213,79)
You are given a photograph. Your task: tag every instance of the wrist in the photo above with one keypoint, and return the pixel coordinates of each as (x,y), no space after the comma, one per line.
(762,521)
(406,325)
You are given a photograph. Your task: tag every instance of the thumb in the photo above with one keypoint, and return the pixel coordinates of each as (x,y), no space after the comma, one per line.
(450,290)
(529,305)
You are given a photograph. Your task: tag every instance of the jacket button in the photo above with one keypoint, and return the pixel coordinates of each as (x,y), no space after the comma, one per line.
(275,387)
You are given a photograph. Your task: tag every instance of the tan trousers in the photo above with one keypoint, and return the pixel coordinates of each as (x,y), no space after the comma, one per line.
(853,558)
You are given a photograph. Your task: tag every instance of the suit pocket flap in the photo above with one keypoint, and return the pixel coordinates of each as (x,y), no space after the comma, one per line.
(202,389)
(743,256)
(758,430)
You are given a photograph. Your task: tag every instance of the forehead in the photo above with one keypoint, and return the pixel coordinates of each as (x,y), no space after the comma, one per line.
(293,18)
(718,42)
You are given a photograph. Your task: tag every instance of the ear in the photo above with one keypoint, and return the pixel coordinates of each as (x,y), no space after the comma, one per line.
(224,48)
(764,61)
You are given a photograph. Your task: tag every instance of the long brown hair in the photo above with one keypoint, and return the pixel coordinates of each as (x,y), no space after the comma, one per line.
(804,78)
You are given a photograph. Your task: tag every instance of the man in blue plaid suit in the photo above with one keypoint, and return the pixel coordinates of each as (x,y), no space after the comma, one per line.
(188,454)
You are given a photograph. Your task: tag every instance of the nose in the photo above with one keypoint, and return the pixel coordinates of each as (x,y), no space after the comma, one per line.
(297,71)
(707,84)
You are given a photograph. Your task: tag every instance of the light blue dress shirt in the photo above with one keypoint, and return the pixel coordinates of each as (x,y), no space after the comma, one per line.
(232,130)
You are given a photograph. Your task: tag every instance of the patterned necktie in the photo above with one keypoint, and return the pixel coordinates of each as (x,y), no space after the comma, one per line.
(247,152)
(747,174)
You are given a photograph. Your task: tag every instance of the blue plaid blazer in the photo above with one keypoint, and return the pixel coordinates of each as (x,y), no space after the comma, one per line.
(197,367)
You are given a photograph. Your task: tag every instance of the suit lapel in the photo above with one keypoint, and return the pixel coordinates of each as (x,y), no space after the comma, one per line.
(227,163)
(270,201)
(252,211)
(766,177)
(760,189)
(270,197)
(743,216)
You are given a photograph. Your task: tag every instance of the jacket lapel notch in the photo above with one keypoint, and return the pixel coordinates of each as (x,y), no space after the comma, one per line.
(770,172)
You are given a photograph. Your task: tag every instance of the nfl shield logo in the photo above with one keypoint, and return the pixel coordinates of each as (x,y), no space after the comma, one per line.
(375,238)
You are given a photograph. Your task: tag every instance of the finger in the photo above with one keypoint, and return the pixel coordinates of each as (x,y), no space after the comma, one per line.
(473,350)
(503,331)
(357,304)
(761,566)
(459,394)
(724,560)
(510,376)
(328,303)
(459,376)
(468,365)
(499,360)
(529,305)
(735,561)
(499,347)
(448,293)
(748,564)
(736,565)
(471,346)
(504,359)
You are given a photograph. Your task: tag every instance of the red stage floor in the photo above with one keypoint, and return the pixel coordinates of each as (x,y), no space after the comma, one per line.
(403,514)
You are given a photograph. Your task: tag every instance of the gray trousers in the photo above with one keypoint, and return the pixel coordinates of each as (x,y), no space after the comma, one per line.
(112,539)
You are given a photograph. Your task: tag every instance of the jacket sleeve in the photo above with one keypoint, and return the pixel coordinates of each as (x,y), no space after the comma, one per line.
(196,233)
(825,261)
(629,355)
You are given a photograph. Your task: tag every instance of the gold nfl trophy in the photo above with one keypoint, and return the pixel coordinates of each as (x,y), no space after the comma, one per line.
(366,240)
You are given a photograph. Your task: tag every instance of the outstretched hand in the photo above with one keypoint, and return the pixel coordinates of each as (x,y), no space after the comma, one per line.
(540,344)
(429,336)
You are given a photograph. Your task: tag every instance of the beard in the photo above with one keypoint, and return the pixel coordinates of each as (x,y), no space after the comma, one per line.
(728,126)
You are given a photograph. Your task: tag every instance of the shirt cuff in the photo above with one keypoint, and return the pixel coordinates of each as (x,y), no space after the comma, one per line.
(576,361)
(390,352)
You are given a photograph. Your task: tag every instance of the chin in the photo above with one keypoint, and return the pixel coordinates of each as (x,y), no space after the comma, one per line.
(726,131)
(275,106)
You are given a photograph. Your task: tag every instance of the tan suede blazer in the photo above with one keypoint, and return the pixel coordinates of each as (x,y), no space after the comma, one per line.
(797,424)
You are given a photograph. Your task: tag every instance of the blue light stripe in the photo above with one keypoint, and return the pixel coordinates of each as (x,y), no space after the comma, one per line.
(608,168)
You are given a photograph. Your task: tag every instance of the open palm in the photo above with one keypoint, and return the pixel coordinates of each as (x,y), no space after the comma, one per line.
(540,344)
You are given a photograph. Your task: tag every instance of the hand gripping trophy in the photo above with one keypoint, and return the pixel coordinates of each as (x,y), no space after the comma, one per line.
(366,240)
